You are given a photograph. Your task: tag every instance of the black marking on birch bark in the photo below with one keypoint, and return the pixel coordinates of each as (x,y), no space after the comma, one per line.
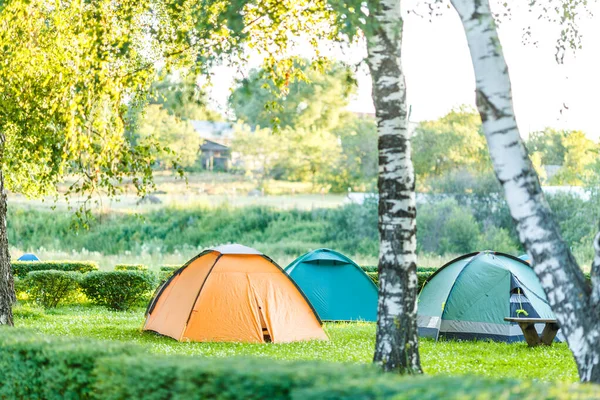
(512,144)
(485,107)
(476,15)
(505,130)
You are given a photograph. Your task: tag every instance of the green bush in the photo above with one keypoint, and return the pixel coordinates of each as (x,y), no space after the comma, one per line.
(498,239)
(165,377)
(22,268)
(373,268)
(19,285)
(374,277)
(49,288)
(422,276)
(118,290)
(131,267)
(165,272)
(169,268)
(51,367)
(446,228)
(443,387)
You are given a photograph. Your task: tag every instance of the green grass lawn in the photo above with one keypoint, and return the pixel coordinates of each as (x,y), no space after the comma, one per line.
(349,342)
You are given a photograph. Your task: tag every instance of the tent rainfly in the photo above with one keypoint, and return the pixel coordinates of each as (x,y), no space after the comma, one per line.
(469,297)
(28,257)
(338,288)
(232,293)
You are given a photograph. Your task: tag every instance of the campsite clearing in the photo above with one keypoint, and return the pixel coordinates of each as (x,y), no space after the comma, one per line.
(349,342)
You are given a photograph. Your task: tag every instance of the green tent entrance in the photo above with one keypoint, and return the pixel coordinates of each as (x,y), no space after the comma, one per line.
(469,297)
(338,289)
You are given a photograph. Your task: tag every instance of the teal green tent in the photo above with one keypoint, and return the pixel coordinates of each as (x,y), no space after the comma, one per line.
(336,287)
(469,297)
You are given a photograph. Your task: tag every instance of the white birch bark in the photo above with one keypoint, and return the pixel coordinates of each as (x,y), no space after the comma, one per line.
(397,346)
(561,277)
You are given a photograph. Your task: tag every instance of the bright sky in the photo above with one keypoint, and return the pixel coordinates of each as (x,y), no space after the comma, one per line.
(440,76)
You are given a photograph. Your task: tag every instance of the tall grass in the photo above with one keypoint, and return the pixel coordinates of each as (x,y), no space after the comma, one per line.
(172,235)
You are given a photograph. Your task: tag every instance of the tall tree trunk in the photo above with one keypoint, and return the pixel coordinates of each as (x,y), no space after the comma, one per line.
(562,279)
(397,346)
(7,291)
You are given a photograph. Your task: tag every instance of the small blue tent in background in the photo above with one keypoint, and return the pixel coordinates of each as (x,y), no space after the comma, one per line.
(525,258)
(338,289)
(28,257)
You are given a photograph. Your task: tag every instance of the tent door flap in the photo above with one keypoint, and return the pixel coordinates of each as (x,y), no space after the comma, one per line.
(266,332)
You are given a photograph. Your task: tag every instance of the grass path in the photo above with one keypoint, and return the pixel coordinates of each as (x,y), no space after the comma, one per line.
(350,342)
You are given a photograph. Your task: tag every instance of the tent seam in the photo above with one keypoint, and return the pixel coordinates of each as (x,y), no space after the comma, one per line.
(198,295)
(454,284)
(162,288)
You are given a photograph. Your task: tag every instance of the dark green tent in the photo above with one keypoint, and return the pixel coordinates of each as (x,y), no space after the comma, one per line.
(469,297)
(338,289)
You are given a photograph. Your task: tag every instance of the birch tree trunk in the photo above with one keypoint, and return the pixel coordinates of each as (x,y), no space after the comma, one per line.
(7,291)
(563,281)
(397,346)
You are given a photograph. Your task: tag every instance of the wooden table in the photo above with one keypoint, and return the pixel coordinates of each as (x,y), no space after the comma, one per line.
(527,325)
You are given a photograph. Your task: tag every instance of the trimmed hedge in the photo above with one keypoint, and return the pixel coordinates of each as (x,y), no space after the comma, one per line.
(374,277)
(22,268)
(373,268)
(49,288)
(131,267)
(165,272)
(179,377)
(118,290)
(48,367)
(169,268)
(369,268)
(422,276)
(444,387)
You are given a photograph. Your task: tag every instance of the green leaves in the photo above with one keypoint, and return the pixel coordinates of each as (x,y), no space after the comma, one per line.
(118,290)
(177,143)
(22,268)
(66,75)
(315,96)
(70,74)
(49,288)
(451,142)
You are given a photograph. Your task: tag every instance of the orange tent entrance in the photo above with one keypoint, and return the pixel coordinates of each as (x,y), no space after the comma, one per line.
(232,293)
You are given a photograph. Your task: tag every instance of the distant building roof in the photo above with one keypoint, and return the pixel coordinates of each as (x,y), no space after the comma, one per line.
(209,145)
(220,132)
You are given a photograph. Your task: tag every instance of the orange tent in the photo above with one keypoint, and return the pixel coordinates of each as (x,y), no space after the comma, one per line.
(232,293)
